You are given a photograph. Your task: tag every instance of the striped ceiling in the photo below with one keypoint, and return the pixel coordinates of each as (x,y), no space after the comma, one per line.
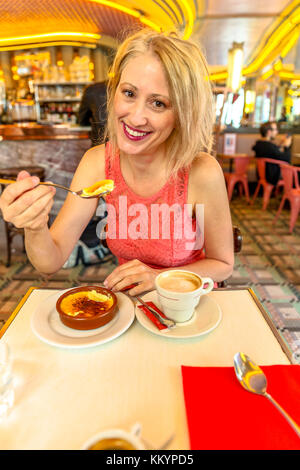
(213,23)
(236,20)
(106,17)
(27,17)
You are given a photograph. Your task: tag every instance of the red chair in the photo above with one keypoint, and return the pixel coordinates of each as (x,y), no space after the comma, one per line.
(262,182)
(238,176)
(291,193)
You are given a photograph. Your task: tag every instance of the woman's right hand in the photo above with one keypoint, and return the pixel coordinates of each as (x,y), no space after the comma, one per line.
(26,204)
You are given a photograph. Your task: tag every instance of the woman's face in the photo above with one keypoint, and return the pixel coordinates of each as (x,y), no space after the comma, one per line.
(143,112)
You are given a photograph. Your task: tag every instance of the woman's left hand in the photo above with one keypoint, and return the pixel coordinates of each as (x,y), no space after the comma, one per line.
(130,273)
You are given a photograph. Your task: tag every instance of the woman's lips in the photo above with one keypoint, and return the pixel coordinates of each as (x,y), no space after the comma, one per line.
(134,134)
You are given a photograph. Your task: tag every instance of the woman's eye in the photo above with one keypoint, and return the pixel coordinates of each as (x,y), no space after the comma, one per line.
(128,93)
(158,104)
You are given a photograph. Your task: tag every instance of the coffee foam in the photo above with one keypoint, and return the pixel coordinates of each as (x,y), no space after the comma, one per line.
(179,282)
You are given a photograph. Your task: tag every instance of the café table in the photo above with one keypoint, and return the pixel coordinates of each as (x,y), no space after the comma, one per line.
(231,158)
(65,395)
(296,159)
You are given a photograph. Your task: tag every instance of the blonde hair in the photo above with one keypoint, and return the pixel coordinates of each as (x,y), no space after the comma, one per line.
(189,86)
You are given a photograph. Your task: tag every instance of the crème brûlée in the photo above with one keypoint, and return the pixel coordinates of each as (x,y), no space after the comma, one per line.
(87,308)
(86,304)
(104,186)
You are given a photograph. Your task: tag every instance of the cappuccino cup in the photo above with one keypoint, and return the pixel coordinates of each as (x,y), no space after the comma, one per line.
(179,292)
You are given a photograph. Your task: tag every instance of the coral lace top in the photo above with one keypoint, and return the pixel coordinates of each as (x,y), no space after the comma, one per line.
(156,230)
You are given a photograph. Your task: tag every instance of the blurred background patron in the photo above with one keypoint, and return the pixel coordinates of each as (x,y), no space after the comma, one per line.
(266,147)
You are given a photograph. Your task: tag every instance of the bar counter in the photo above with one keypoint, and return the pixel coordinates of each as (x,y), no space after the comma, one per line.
(33,131)
(57,148)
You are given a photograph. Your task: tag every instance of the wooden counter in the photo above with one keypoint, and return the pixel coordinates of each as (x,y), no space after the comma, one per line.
(33,131)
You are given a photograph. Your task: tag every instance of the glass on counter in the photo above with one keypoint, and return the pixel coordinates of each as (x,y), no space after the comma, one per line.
(23,111)
(80,71)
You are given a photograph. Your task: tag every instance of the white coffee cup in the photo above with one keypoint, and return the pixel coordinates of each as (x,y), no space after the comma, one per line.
(179,292)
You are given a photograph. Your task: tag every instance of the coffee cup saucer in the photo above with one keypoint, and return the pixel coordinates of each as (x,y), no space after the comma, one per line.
(206,318)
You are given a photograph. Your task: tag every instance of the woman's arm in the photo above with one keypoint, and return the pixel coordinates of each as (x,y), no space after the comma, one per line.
(49,249)
(76,212)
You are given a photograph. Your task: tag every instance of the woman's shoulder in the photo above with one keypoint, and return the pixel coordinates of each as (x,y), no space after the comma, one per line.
(95,153)
(205,169)
(93,162)
(95,156)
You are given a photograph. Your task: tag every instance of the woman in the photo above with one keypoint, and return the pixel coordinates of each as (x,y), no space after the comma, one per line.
(160,120)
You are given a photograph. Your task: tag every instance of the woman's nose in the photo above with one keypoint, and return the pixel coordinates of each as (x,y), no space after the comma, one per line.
(138,114)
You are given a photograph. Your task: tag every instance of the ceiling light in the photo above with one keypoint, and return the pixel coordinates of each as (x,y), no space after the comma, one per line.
(129,11)
(56,35)
(47,44)
(290,43)
(218,76)
(185,5)
(235,66)
(267,74)
(279,40)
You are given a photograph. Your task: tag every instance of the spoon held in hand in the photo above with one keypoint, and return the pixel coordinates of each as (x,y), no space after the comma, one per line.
(96,190)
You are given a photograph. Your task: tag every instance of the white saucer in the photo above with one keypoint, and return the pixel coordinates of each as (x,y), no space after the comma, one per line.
(206,318)
(47,326)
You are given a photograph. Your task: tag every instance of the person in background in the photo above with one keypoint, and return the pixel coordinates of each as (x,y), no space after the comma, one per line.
(92,111)
(283,117)
(160,130)
(267,148)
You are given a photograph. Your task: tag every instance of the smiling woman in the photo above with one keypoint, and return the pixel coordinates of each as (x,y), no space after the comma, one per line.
(160,130)
(169,206)
(143,114)
(182,88)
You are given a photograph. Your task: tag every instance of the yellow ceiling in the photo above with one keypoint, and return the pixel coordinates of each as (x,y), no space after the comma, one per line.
(23,18)
(268,29)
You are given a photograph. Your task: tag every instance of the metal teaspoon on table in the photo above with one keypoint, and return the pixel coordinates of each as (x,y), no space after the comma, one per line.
(253,379)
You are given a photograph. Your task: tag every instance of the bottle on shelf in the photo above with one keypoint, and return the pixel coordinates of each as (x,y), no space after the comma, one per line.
(58,113)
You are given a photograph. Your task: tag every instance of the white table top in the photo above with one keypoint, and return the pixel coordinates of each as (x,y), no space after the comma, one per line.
(63,396)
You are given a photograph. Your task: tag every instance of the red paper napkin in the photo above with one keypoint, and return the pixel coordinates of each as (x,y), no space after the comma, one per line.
(221,414)
(151,317)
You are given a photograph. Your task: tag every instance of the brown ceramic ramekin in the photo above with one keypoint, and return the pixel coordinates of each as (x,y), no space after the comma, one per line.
(81,322)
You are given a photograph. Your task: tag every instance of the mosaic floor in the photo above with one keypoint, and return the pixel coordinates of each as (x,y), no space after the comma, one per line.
(269,263)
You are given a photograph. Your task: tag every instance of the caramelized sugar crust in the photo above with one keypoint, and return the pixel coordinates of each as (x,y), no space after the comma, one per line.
(87,308)
(86,304)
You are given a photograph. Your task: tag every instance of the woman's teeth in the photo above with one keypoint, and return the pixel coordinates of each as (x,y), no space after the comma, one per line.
(135,133)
